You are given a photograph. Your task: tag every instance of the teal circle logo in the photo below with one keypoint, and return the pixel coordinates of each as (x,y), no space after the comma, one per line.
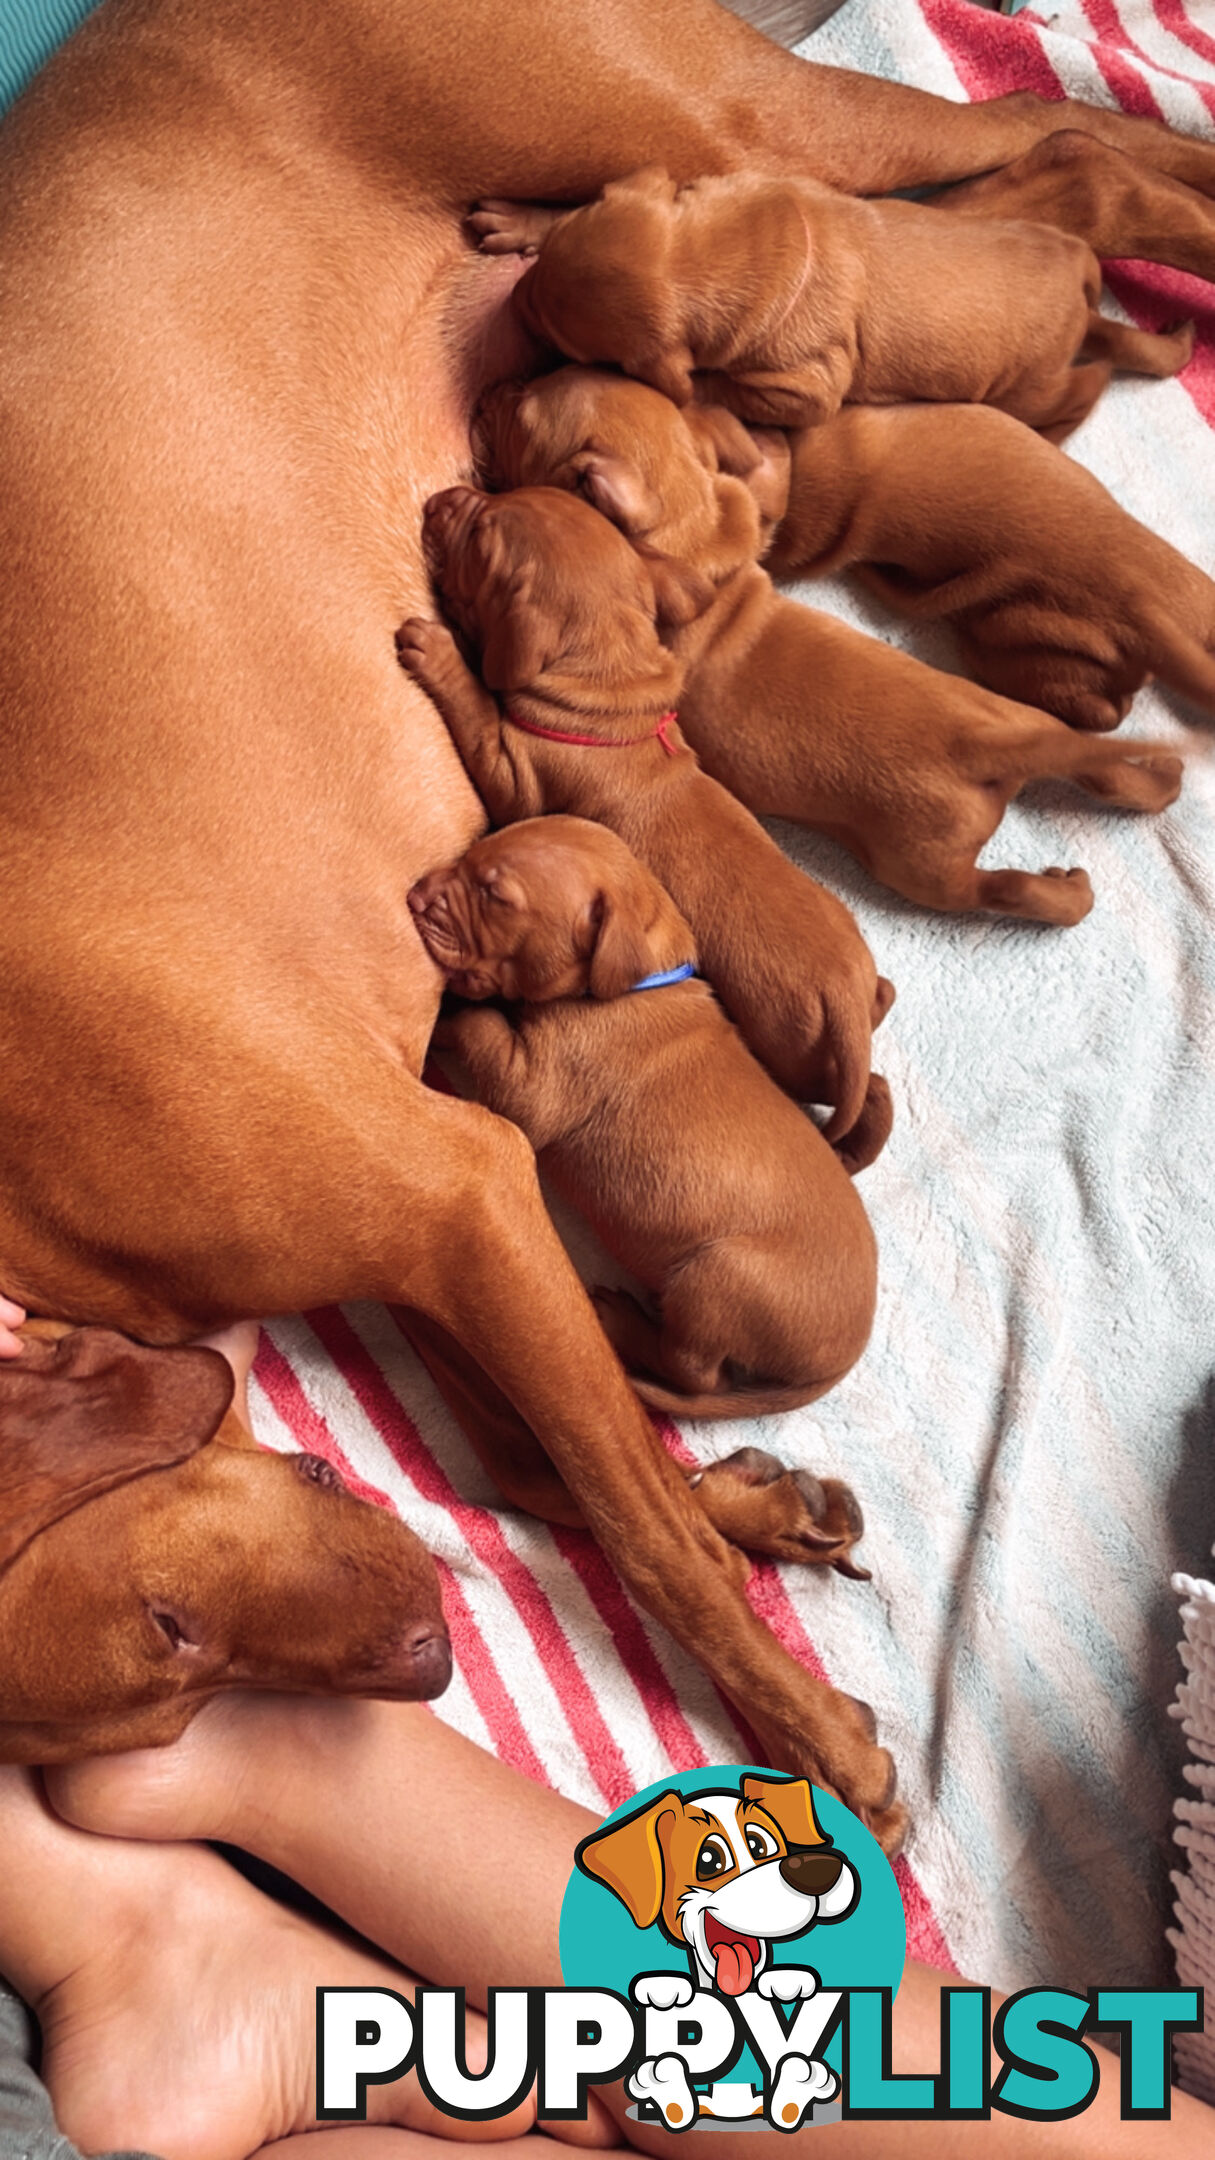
(728,1905)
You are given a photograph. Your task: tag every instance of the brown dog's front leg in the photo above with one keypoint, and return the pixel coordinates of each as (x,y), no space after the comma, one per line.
(479,1256)
(511,228)
(1124,210)
(427,650)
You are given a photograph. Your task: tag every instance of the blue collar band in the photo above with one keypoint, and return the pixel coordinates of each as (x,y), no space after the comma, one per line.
(669,975)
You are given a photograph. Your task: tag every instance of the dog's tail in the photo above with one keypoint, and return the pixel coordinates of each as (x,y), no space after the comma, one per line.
(850,1034)
(1185,664)
(757,1401)
(1125,771)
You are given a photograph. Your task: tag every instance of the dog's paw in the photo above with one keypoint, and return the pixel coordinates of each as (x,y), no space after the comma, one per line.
(664,2082)
(783,1514)
(662,1991)
(426,649)
(787,1983)
(508,228)
(798,2085)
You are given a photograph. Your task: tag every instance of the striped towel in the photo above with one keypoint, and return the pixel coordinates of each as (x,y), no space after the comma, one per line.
(1031,1428)
(1193,1938)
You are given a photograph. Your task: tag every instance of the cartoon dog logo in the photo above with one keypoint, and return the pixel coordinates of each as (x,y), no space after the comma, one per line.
(726,1875)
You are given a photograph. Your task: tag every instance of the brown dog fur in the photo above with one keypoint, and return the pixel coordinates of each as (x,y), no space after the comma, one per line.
(564,615)
(652,1117)
(151,1555)
(797,714)
(1058,596)
(788,301)
(241,337)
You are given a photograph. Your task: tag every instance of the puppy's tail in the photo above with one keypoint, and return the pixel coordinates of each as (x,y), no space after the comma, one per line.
(1187,666)
(851,1037)
(758,1401)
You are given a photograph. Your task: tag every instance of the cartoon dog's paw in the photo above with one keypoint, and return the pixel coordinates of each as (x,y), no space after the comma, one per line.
(664,2082)
(798,2085)
(662,1991)
(787,1983)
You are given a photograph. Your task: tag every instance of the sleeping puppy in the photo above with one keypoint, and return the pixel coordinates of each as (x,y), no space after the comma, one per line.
(564,614)
(1057,595)
(650,1114)
(798,715)
(789,300)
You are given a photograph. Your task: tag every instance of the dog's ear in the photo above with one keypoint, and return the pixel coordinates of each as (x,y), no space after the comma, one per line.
(614,487)
(627,1859)
(760,457)
(521,643)
(622,953)
(669,368)
(681,593)
(790,1803)
(89,1412)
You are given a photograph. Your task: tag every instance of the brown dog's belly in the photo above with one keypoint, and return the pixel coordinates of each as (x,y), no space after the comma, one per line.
(227,385)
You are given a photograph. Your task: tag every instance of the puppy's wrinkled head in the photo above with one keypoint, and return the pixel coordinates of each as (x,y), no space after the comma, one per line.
(555,600)
(601,287)
(696,483)
(553,907)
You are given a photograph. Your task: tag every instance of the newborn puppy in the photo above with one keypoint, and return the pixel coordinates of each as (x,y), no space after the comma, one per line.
(650,1114)
(792,300)
(1057,595)
(797,714)
(564,614)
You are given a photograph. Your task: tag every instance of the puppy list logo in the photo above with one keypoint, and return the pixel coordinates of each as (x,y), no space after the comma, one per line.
(731,1945)
(737,1873)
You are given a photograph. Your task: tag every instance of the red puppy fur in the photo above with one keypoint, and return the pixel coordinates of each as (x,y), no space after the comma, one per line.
(797,714)
(655,1121)
(1058,596)
(565,614)
(792,300)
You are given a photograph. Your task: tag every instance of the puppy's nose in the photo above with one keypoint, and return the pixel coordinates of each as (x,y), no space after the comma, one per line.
(426,1659)
(813,1873)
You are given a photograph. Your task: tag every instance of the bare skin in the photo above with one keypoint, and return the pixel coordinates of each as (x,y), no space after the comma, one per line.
(277,1776)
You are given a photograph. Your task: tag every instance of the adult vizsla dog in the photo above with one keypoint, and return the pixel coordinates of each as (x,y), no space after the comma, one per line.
(1058,596)
(784,300)
(797,714)
(565,616)
(241,333)
(652,1117)
(151,1555)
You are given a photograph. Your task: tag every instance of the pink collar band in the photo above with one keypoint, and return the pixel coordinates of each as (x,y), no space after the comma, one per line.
(601,742)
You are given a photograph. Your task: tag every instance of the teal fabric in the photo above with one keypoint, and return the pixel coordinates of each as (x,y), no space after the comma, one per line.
(29,33)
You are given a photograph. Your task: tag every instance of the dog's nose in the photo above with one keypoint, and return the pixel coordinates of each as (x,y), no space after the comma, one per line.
(426,1659)
(813,1873)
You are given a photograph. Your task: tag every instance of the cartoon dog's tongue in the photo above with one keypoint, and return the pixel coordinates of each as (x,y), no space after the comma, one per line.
(735,1956)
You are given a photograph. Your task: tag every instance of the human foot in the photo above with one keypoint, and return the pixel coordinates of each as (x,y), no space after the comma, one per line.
(183,2020)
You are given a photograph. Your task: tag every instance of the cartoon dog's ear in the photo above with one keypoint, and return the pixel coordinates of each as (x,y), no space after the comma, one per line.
(790,1803)
(627,1859)
(90,1411)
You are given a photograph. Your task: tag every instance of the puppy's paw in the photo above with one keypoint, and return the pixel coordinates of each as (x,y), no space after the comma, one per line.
(787,1984)
(427,650)
(508,228)
(662,1991)
(799,2083)
(664,2082)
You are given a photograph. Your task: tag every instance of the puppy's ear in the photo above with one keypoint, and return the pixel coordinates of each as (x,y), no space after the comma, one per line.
(681,593)
(622,953)
(628,1859)
(761,458)
(91,1411)
(668,368)
(790,1803)
(520,641)
(615,488)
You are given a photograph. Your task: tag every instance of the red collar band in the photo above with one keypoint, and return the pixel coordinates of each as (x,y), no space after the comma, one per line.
(601,742)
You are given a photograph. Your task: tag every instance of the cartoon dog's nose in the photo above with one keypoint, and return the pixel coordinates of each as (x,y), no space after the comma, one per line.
(813,1873)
